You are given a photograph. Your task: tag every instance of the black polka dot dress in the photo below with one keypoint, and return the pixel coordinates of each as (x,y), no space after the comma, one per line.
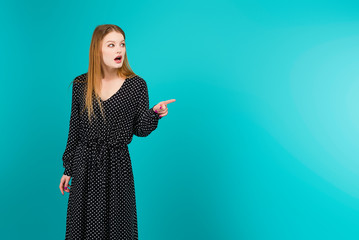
(102,202)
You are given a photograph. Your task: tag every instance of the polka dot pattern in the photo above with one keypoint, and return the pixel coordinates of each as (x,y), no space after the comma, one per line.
(102,202)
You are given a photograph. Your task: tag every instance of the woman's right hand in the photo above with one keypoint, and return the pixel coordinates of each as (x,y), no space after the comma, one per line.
(64,183)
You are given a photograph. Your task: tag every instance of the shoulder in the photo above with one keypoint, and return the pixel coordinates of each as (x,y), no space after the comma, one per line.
(82,78)
(138,83)
(80,81)
(78,85)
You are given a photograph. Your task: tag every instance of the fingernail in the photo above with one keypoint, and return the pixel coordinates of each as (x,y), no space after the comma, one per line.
(156,111)
(160,107)
(65,187)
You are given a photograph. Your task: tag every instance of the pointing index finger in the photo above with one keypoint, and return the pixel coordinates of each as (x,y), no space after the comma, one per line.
(169,101)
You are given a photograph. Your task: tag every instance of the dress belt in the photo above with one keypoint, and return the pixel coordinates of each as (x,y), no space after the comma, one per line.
(101,149)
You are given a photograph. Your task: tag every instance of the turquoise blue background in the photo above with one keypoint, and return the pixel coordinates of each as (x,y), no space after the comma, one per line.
(261,143)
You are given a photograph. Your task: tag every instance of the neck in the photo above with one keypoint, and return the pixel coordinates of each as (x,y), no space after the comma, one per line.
(110,73)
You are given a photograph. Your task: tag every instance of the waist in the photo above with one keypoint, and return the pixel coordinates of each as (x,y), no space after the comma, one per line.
(101,141)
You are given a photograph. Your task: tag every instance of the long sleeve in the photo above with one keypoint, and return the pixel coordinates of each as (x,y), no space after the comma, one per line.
(146,120)
(73,135)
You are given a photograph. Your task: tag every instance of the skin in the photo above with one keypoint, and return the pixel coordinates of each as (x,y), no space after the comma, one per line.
(113,45)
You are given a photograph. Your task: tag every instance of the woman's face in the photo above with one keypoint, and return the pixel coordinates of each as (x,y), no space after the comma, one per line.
(113,45)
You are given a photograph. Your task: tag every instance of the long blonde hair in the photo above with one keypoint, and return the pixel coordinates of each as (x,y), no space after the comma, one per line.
(95,72)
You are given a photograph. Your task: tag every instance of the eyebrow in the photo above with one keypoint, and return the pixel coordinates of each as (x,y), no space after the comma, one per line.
(114,41)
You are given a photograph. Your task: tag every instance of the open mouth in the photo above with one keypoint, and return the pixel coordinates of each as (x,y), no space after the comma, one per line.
(118,59)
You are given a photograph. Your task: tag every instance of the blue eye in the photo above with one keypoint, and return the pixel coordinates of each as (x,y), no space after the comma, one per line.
(113,44)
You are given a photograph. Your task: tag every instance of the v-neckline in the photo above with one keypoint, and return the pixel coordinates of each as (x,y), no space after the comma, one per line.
(115,92)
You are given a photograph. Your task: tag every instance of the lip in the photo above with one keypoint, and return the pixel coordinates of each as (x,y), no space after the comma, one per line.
(118,61)
(118,56)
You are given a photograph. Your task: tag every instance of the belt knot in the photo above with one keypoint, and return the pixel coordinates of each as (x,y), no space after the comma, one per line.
(101,148)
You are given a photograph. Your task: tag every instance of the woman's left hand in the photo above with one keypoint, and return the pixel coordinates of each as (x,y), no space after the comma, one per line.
(161,107)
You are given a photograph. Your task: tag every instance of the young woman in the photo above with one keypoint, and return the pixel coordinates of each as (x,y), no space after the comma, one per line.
(109,104)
